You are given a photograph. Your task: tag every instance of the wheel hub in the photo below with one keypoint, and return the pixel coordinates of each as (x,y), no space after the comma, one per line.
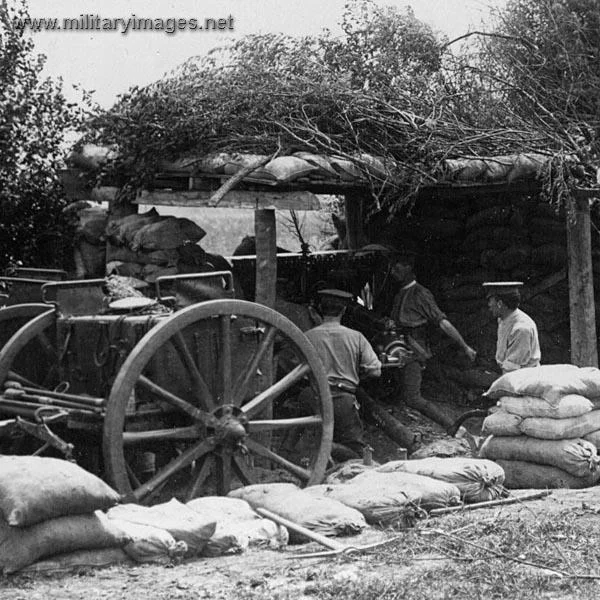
(230,425)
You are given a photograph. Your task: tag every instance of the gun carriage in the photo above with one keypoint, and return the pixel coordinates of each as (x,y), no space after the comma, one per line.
(153,396)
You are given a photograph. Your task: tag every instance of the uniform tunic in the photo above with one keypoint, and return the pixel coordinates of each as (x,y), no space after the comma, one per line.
(518,345)
(414,308)
(345,353)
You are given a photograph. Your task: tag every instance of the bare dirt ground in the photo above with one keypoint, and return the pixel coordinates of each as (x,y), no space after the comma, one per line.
(536,549)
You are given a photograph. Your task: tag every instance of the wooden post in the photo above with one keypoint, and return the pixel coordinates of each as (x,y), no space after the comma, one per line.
(265,230)
(355,236)
(266,256)
(584,351)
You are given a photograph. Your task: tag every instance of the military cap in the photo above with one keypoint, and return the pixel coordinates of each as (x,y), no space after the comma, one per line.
(495,288)
(338,294)
(388,251)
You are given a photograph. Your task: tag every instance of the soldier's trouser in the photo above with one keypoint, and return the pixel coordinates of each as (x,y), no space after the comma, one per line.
(347,426)
(409,380)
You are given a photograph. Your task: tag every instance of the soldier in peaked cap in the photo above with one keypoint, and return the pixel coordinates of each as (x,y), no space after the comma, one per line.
(347,357)
(517,345)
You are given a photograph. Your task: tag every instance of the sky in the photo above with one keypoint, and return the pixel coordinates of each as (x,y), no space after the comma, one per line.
(110,62)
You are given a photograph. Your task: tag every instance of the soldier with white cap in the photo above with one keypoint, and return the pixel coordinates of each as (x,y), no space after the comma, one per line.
(517,346)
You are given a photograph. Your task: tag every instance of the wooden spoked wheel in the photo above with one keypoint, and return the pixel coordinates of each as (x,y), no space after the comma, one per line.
(30,355)
(12,318)
(195,395)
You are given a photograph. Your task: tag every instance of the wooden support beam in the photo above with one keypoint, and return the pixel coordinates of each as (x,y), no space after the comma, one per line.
(584,351)
(233,199)
(265,229)
(355,236)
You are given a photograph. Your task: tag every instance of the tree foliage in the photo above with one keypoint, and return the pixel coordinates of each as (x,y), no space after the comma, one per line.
(389,87)
(541,67)
(33,118)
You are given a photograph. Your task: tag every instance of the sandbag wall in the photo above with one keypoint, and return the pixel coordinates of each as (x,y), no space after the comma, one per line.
(148,245)
(464,241)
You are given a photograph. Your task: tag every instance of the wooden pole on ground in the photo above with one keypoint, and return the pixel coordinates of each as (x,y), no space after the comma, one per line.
(584,351)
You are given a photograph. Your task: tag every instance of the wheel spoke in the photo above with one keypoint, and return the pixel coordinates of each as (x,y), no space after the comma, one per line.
(241,470)
(266,453)
(177,464)
(135,482)
(262,400)
(224,473)
(14,376)
(272,424)
(157,435)
(241,385)
(201,471)
(202,390)
(225,322)
(173,400)
(47,346)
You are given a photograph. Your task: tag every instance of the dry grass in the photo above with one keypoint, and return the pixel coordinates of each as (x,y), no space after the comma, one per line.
(543,549)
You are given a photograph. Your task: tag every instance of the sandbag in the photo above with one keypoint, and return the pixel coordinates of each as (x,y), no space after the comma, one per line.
(238,526)
(22,546)
(288,168)
(150,544)
(501,423)
(521,475)
(593,437)
(179,520)
(349,470)
(390,498)
(78,560)
(578,456)
(92,225)
(571,405)
(122,231)
(166,234)
(560,429)
(478,480)
(323,515)
(157,257)
(443,448)
(550,382)
(92,258)
(35,488)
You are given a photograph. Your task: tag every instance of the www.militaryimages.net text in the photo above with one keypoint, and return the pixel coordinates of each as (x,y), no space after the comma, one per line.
(133,23)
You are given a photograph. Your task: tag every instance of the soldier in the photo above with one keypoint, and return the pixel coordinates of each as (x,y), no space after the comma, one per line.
(517,345)
(413,310)
(347,357)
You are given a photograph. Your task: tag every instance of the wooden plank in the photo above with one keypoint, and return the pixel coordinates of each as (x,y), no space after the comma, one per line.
(233,199)
(584,351)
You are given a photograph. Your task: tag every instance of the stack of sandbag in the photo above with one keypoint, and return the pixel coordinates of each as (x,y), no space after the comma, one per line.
(326,516)
(544,427)
(147,245)
(389,498)
(51,507)
(238,526)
